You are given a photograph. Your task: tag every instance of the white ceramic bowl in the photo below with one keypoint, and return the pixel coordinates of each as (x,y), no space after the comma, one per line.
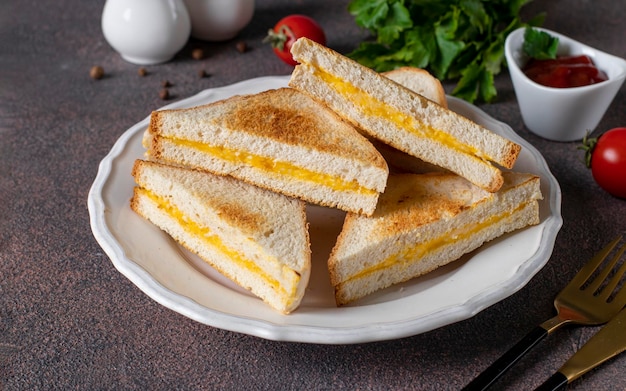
(146,31)
(219,20)
(563,114)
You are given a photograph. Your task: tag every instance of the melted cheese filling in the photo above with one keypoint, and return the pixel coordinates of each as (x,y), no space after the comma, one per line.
(375,108)
(277,167)
(414,253)
(194,229)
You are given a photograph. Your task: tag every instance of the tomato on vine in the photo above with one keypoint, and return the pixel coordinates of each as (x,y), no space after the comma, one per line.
(606,156)
(288,30)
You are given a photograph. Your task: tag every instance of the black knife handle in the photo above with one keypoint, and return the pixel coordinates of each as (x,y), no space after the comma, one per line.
(506,361)
(556,382)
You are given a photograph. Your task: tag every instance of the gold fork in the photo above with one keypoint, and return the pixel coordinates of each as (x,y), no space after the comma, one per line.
(585,301)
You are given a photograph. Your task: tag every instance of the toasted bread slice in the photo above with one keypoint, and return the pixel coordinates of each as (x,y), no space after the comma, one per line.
(279,139)
(422,222)
(255,237)
(400,117)
(420,81)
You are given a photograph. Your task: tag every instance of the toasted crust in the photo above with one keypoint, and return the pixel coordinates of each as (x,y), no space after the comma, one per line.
(509,157)
(423,222)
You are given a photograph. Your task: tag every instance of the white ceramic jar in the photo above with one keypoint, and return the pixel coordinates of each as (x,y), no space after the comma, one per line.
(146,31)
(219,20)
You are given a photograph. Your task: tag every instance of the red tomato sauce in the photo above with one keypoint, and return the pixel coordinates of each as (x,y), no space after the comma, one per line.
(564,72)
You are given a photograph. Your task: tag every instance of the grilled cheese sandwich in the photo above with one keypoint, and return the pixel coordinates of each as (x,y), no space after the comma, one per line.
(257,238)
(422,222)
(401,118)
(279,139)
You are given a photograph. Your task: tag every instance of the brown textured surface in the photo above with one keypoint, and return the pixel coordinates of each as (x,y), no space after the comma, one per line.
(69,320)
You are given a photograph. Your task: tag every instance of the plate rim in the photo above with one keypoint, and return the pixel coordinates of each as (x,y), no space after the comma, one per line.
(263,328)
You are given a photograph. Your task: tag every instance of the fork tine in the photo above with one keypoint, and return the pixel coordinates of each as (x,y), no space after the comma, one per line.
(587,270)
(595,285)
(615,280)
(620,297)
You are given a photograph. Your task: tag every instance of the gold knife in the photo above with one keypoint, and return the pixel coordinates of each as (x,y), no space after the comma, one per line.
(604,345)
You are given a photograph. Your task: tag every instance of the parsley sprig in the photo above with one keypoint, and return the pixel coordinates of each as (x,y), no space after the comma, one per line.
(454,39)
(539,44)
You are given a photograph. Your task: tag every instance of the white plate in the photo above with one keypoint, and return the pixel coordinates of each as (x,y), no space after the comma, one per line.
(179,281)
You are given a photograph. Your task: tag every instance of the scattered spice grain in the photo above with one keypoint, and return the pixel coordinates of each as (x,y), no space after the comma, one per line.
(241,47)
(96,72)
(197,54)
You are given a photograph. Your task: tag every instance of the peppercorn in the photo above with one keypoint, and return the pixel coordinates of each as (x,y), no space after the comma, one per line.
(202,73)
(197,54)
(96,72)
(166,83)
(241,47)
(164,94)
(142,71)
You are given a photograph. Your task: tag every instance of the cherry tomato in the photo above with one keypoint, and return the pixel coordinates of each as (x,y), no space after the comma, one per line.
(606,156)
(288,30)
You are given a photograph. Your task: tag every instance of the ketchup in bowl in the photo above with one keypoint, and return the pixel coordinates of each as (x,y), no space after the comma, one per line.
(564,72)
